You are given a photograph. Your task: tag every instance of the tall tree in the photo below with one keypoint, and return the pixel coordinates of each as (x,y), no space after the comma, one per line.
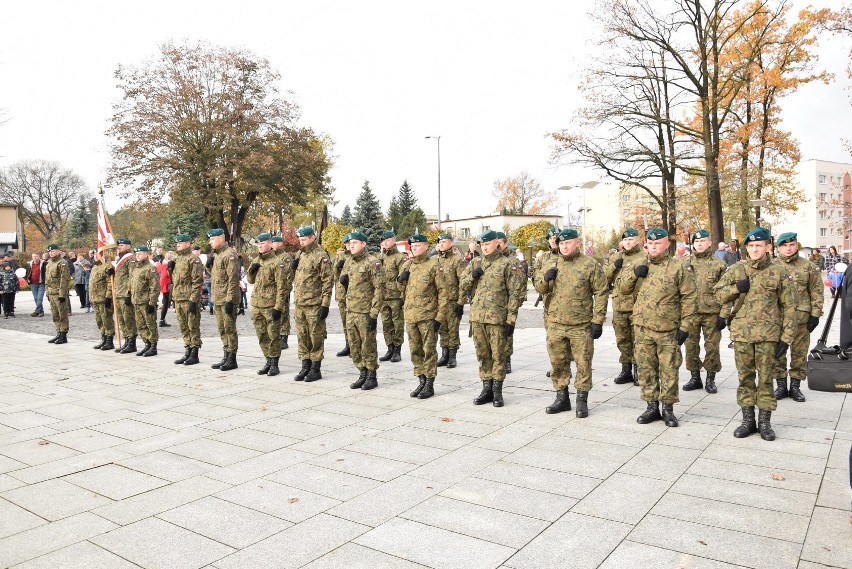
(179,220)
(402,214)
(346,216)
(81,228)
(368,217)
(406,198)
(522,194)
(46,192)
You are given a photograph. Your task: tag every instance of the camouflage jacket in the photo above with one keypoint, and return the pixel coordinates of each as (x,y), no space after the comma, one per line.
(767,311)
(579,292)
(314,277)
(100,285)
(538,266)
(495,297)
(666,298)
(225,276)
(122,276)
(807,280)
(451,268)
(623,302)
(144,283)
(285,259)
(268,281)
(393,261)
(425,293)
(708,269)
(339,291)
(521,280)
(187,277)
(366,289)
(57,278)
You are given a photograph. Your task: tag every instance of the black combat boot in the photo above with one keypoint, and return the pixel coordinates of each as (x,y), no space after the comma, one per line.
(53,340)
(562,402)
(781,391)
(710,383)
(121,347)
(763,426)
(219,364)
(101,345)
(748,425)
(795,391)
(186,352)
(419,387)
(62,339)
(445,357)
(273,367)
(694,382)
(285,342)
(372,382)
(163,324)
(582,404)
(306,366)
(231,363)
(314,373)
(397,353)
(497,390)
(193,357)
(451,360)
(429,390)
(626,375)
(145,349)
(345,351)
(130,346)
(549,373)
(362,377)
(651,414)
(151,351)
(669,416)
(636,375)
(509,364)
(388,355)
(265,369)
(108,345)
(486,396)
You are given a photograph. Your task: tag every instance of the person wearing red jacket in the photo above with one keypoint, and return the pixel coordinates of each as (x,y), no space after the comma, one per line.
(165,285)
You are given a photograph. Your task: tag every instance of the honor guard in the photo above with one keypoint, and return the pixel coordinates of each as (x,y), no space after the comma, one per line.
(100,294)
(121,282)
(143,295)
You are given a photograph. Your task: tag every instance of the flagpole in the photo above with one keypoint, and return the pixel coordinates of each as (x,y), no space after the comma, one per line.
(107,241)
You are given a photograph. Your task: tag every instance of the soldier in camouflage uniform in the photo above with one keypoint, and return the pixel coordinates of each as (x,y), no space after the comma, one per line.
(364,282)
(547,258)
(268,274)
(520,282)
(578,291)
(187,273)
(493,283)
(56,281)
(451,268)
(100,294)
(285,259)
(622,305)
(807,281)
(340,259)
(392,319)
(758,300)
(424,286)
(143,295)
(708,269)
(121,283)
(662,312)
(313,281)
(224,269)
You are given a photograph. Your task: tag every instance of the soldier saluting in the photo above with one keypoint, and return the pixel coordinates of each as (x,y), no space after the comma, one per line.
(758,299)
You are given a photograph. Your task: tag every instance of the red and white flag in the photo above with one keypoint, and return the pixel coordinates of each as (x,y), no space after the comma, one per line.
(105,238)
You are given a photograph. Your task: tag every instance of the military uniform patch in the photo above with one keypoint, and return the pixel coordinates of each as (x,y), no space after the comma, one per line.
(325,259)
(689,268)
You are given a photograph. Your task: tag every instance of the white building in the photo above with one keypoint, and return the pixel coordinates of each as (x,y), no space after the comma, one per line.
(470,227)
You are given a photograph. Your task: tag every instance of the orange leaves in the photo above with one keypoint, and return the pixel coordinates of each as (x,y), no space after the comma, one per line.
(523,194)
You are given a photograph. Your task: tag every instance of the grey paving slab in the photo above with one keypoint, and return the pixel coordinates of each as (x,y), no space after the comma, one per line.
(286,502)
(115,481)
(289,428)
(170,420)
(434,546)
(458,464)
(85,440)
(168,466)
(690,435)
(69,465)
(661,462)
(829,539)
(14,519)
(82,555)
(383,469)
(8,464)
(26,420)
(542,479)
(253,439)
(354,556)
(55,499)
(130,429)
(512,437)
(259,466)
(756,496)
(515,499)
(767,458)
(427,437)
(632,555)
(397,450)
(622,498)
(447,424)
(382,503)
(776,478)
(156,544)
(323,481)
(37,451)
(38,541)
(835,491)
(213,452)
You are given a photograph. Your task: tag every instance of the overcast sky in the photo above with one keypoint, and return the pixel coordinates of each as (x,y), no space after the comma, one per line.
(490,77)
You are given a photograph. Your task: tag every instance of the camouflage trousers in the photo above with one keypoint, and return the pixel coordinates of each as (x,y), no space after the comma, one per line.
(490,343)
(393,325)
(341,306)
(268,331)
(565,343)
(310,331)
(126,319)
(59,312)
(362,341)
(658,358)
(422,345)
(189,323)
(103,318)
(146,324)
(706,324)
(622,323)
(285,318)
(449,332)
(227,325)
(755,360)
(798,352)
(509,347)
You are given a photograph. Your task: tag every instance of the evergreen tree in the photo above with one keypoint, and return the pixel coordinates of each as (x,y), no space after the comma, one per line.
(346,216)
(81,230)
(368,217)
(394,217)
(401,213)
(411,223)
(406,199)
(177,221)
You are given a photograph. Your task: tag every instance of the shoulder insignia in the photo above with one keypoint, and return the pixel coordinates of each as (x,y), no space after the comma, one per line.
(232,258)
(378,263)
(325,259)
(689,268)
(790,277)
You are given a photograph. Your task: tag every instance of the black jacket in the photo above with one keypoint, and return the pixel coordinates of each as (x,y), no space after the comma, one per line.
(30,270)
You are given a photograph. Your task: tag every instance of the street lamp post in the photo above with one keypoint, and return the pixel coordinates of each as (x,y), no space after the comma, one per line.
(584,186)
(438,138)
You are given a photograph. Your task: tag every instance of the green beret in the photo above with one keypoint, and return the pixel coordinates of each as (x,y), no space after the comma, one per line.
(630,232)
(566,234)
(387,234)
(263,237)
(700,234)
(757,234)
(656,233)
(552,231)
(445,236)
(305,231)
(124,241)
(787,237)
(215,232)
(358,236)
(277,239)
(418,238)
(501,235)
(182,238)
(347,237)
(488,236)
(53,247)
(143,248)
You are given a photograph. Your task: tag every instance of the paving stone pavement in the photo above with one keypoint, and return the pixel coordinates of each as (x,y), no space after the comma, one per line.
(114,461)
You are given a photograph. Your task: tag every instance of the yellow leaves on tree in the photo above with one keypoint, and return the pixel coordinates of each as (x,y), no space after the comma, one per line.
(332,237)
(536,233)
(523,194)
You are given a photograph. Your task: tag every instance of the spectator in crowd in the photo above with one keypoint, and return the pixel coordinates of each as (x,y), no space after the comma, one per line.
(9,286)
(817,259)
(163,267)
(10,259)
(87,272)
(158,255)
(91,257)
(35,278)
(733,253)
(830,260)
(79,276)
(243,288)
(70,258)
(721,249)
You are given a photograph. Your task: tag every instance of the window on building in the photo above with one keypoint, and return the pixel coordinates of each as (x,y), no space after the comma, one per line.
(626,197)
(464,233)
(823,232)
(822,214)
(822,197)
(486,228)
(822,179)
